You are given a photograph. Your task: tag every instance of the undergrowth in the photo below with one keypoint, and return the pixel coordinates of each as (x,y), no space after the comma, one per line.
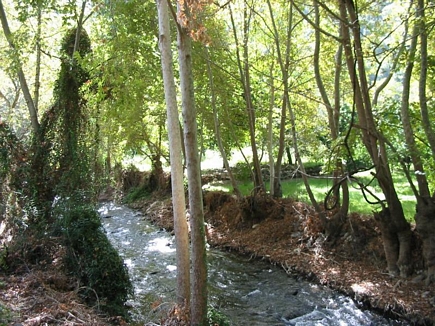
(136,193)
(92,259)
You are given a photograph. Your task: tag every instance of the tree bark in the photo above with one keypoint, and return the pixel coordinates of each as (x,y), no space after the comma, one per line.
(425,215)
(38,58)
(243,65)
(284,62)
(21,76)
(393,219)
(270,142)
(217,129)
(413,151)
(425,118)
(334,224)
(198,310)
(175,151)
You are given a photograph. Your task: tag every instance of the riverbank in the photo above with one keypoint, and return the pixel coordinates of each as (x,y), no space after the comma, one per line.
(37,296)
(285,233)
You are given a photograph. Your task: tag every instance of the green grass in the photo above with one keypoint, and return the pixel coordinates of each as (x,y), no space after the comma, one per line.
(295,189)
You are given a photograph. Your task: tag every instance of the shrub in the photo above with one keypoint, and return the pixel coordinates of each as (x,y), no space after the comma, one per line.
(137,193)
(313,168)
(216,318)
(93,260)
(242,171)
(5,316)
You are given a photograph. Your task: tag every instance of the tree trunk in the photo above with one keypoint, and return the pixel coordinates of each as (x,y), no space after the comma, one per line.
(22,78)
(425,118)
(217,129)
(38,58)
(284,62)
(175,150)
(394,223)
(243,65)
(425,224)
(270,142)
(198,310)
(425,215)
(334,224)
(413,150)
(298,160)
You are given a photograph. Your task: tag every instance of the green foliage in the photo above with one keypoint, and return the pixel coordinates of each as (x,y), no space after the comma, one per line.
(242,171)
(5,316)
(68,42)
(7,143)
(3,259)
(313,168)
(62,161)
(93,260)
(216,318)
(137,193)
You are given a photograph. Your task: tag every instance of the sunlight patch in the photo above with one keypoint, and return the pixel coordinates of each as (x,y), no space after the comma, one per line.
(129,263)
(363,287)
(171,268)
(161,245)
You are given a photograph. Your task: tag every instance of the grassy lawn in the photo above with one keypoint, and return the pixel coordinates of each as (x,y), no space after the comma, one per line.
(295,189)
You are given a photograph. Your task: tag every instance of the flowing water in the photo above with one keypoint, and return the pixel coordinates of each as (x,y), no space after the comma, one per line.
(247,292)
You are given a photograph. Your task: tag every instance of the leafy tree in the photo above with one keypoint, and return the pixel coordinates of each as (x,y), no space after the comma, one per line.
(245,80)
(57,182)
(128,86)
(217,128)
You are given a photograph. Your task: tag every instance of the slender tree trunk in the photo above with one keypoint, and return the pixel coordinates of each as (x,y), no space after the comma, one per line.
(270,142)
(333,224)
(425,118)
(258,177)
(243,65)
(217,129)
(175,150)
(284,63)
(79,28)
(396,231)
(198,306)
(21,76)
(38,58)
(413,151)
(298,160)
(425,216)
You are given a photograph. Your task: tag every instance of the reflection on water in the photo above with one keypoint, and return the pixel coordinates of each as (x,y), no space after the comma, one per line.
(248,292)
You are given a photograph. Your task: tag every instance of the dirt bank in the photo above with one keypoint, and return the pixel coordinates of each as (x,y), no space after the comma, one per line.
(286,233)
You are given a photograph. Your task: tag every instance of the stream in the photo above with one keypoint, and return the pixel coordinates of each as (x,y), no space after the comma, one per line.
(247,292)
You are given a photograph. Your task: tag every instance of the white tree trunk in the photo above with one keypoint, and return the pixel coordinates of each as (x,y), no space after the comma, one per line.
(175,150)
(198,310)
